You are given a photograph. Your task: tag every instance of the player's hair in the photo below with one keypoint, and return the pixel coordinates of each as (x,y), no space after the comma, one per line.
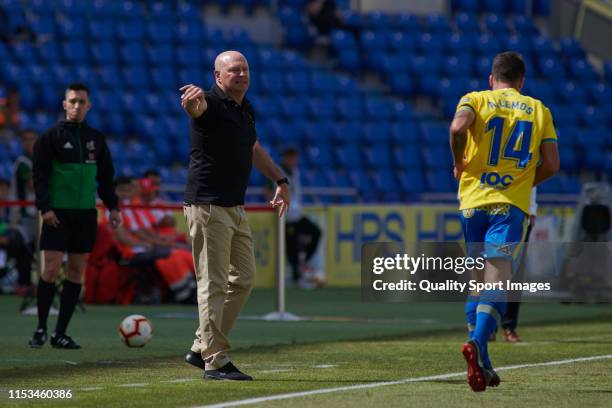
(122,180)
(508,67)
(151,172)
(77,86)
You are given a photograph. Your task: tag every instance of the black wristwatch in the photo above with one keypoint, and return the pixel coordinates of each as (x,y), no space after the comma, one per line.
(283,180)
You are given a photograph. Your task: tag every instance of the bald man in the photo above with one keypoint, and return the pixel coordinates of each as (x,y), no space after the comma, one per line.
(224,147)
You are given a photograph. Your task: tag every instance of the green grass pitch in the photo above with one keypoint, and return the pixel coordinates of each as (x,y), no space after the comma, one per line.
(347,343)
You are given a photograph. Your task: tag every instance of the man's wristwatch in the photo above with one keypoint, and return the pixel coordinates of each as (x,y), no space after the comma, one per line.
(281,181)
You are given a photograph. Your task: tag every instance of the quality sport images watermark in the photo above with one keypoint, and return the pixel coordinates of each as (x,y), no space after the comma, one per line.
(442,271)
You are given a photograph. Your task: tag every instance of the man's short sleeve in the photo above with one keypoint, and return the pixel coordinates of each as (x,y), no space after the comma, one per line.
(212,108)
(549,134)
(469,101)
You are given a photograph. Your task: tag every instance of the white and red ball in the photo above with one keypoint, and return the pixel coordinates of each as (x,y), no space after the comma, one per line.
(136,330)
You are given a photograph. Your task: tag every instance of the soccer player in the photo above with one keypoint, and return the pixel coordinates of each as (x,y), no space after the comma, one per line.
(502,143)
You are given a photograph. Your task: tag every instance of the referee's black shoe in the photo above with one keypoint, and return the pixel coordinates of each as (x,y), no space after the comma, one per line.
(63,341)
(39,338)
(195,359)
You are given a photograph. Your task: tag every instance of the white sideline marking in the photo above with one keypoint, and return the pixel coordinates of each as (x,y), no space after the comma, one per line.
(324,366)
(91,388)
(276,370)
(398,382)
(133,385)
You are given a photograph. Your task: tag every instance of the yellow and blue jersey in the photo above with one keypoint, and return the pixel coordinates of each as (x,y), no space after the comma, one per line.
(503,147)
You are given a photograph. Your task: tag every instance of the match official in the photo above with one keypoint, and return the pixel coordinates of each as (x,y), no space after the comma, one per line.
(69,161)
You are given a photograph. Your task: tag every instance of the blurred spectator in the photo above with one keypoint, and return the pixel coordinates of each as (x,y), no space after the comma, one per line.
(324,15)
(23,219)
(9,113)
(302,235)
(13,246)
(175,266)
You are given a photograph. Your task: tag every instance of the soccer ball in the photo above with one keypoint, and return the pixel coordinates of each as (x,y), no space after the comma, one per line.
(135,330)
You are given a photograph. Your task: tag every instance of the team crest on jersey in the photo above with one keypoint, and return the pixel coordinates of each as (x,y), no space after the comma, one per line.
(468,213)
(91,145)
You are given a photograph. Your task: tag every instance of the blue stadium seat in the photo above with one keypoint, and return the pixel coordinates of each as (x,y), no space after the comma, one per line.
(105,8)
(133,53)
(458,65)
(320,154)
(349,155)
(297,83)
(467,23)
(376,20)
(592,117)
(564,115)
(72,28)
(350,109)
(402,84)
(342,40)
(75,51)
(405,133)
(572,185)
(431,43)
(542,46)
(270,83)
(464,43)
(551,186)
(582,70)
(131,30)
(161,11)
(567,157)
(347,132)
(110,76)
(190,33)
(401,42)
(322,83)
(437,157)
(518,43)
(101,29)
(160,32)
(411,183)
(25,52)
(495,7)
(104,53)
(160,55)
(571,92)
(524,25)
(373,41)
(550,67)
(43,25)
(292,108)
(571,48)
(317,132)
(135,77)
(385,183)
(164,78)
(377,108)
(488,45)
(322,108)
(377,132)
(406,22)
(595,138)
(378,156)
(188,56)
(483,66)
(440,181)
(434,133)
(346,86)
(465,5)
(132,10)
(266,107)
(407,157)
(600,92)
(496,24)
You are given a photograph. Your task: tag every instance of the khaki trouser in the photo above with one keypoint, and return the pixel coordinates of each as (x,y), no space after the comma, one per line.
(225,269)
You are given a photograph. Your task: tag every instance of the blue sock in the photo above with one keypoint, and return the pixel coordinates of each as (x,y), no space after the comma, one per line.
(470,314)
(491,308)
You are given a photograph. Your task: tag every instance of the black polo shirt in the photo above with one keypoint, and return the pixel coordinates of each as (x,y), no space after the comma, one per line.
(221,153)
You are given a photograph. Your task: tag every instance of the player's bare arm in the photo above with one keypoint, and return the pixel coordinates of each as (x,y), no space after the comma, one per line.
(464,118)
(193,100)
(549,165)
(264,163)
